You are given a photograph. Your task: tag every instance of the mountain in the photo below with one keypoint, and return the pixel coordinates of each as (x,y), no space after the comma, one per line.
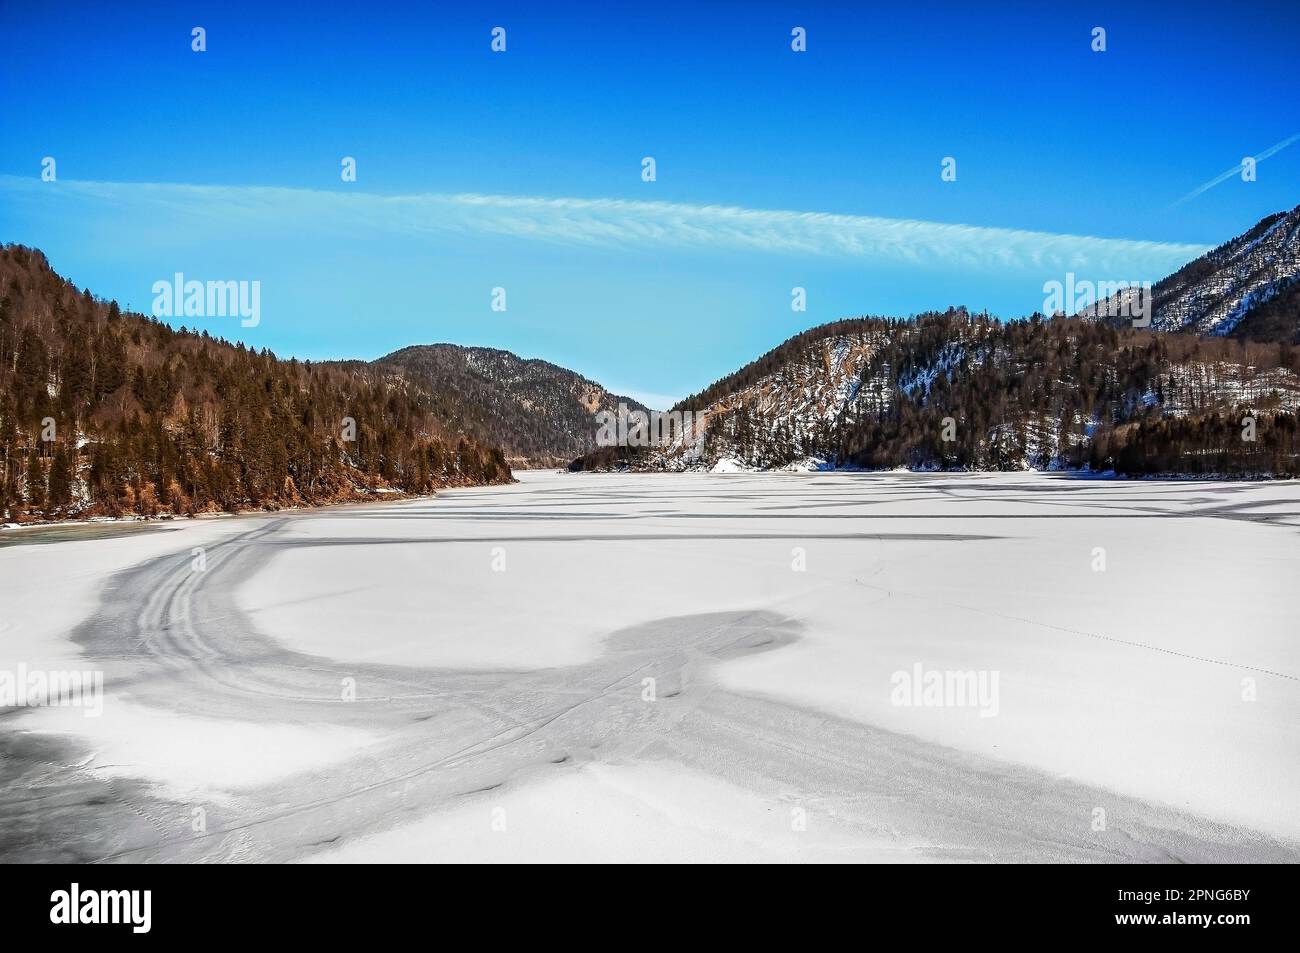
(538,413)
(1247,288)
(952,389)
(956,390)
(109,413)
(105,413)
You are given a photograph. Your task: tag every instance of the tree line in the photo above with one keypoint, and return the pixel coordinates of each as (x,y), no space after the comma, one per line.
(954,390)
(110,413)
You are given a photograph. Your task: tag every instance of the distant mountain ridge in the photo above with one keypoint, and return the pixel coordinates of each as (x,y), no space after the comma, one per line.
(538,413)
(150,418)
(955,389)
(1247,288)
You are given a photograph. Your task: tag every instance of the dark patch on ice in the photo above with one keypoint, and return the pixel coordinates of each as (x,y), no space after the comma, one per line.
(482,790)
(41,535)
(720,635)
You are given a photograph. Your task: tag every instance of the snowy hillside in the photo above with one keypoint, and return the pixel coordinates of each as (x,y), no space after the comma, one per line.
(1222,292)
(956,390)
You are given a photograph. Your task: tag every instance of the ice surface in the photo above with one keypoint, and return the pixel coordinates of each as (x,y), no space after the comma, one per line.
(194,757)
(500,640)
(648,813)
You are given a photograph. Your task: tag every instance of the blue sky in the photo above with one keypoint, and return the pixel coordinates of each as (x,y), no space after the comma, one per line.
(522,169)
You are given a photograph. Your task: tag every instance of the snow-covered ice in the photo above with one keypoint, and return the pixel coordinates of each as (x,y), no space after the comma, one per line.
(195,758)
(645,813)
(674,666)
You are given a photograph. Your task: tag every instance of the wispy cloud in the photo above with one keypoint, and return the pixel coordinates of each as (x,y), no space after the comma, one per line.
(1234,171)
(620,223)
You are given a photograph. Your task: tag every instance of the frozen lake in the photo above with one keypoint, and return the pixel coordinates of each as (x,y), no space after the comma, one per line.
(824,667)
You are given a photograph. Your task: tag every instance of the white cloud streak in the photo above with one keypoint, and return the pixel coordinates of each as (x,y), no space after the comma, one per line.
(1234,171)
(618,223)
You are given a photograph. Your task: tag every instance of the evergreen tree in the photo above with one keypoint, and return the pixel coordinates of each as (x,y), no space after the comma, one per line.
(34,482)
(60,480)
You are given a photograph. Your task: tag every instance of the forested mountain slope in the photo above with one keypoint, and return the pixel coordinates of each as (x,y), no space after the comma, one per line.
(540,414)
(956,390)
(1248,287)
(952,389)
(107,413)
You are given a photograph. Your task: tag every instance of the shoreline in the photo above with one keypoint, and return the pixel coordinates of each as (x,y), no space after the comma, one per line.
(24,529)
